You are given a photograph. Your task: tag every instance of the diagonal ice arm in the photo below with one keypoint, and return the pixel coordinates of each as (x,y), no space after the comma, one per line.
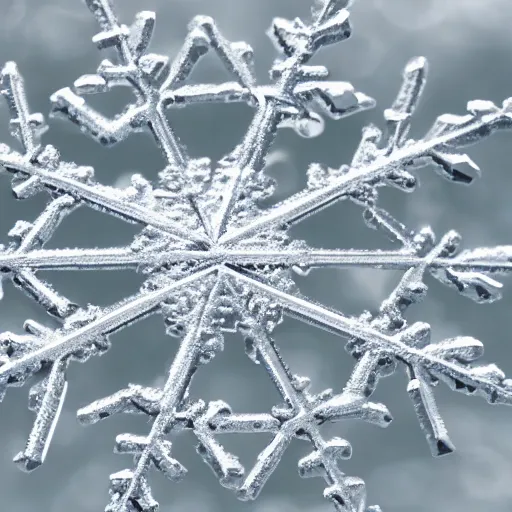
(287,103)
(59,344)
(448,132)
(85,334)
(41,167)
(391,321)
(180,374)
(484,380)
(98,196)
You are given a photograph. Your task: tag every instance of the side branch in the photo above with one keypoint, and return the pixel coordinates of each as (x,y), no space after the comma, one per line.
(141,70)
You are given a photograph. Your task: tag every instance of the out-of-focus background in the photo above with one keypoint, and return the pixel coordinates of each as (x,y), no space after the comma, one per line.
(469,47)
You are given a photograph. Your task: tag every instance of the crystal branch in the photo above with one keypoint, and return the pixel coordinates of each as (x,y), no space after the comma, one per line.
(154,82)
(391,321)
(126,489)
(29,236)
(300,418)
(28,128)
(204,419)
(287,105)
(449,131)
(142,71)
(46,399)
(75,259)
(63,343)
(492,259)
(25,127)
(484,380)
(38,167)
(143,400)
(98,196)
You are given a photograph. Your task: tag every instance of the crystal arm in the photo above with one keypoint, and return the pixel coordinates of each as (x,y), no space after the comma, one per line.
(303,204)
(130,44)
(320,316)
(109,259)
(28,128)
(298,45)
(178,380)
(103,198)
(389,260)
(391,321)
(49,407)
(72,259)
(300,416)
(340,487)
(112,258)
(116,318)
(269,458)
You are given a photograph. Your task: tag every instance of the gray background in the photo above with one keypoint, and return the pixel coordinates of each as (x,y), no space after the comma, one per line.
(469,46)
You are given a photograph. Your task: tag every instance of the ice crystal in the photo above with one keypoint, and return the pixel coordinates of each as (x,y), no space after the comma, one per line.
(215,258)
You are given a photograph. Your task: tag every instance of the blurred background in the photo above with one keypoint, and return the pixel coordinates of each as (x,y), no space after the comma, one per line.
(469,46)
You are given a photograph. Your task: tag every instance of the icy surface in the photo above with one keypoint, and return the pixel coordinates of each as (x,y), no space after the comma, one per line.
(216,259)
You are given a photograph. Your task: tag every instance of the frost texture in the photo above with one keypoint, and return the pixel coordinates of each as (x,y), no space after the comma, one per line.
(216,259)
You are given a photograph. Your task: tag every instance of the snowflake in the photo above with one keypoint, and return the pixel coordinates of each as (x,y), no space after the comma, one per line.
(216,259)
